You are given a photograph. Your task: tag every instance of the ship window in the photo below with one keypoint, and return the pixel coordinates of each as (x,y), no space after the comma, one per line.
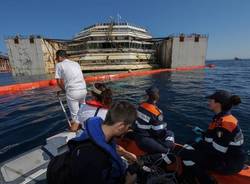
(95,46)
(106,45)
(126,45)
(90,46)
(149,46)
(196,39)
(181,38)
(16,40)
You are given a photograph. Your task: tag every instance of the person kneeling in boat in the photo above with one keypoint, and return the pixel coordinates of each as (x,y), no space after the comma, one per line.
(94,159)
(97,106)
(150,131)
(220,149)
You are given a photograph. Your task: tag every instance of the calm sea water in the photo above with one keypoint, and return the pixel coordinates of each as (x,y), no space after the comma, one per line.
(27,118)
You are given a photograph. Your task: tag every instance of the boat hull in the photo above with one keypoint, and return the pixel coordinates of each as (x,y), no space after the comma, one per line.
(243,177)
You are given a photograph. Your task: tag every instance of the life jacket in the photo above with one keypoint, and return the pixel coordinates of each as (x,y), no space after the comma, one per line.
(150,120)
(224,134)
(94,133)
(90,109)
(95,103)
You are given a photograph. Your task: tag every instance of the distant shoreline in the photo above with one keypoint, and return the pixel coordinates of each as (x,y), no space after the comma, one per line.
(228,59)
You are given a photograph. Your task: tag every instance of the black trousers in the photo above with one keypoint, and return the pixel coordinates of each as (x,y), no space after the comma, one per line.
(206,161)
(151,145)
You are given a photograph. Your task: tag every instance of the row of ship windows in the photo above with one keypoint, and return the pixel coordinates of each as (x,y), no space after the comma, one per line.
(106,37)
(149,60)
(97,38)
(109,45)
(117,29)
(2,65)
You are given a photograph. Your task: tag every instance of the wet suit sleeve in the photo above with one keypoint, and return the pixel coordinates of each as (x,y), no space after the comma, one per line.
(159,129)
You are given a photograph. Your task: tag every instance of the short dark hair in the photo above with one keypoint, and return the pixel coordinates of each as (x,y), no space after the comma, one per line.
(121,111)
(61,53)
(153,93)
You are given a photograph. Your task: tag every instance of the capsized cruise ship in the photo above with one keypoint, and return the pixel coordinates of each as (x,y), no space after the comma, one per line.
(113,46)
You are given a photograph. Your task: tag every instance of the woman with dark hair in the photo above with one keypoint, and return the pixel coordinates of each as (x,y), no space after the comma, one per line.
(97,106)
(220,149)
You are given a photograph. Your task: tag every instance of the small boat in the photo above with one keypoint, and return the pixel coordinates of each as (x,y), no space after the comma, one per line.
(238,59)
(31,166)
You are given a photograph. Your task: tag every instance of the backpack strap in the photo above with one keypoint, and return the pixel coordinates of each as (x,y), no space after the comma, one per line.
(97,110)
(47,152)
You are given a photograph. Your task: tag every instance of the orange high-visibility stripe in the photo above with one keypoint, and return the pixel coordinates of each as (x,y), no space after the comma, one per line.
(96,104)
(151,108)
(229,122)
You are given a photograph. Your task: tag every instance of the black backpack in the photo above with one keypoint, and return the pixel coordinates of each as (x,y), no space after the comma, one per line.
(58,170)
(59,167)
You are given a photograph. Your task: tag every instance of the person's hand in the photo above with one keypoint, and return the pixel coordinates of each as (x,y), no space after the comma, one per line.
(198,130)
(60,92)
(130,157)
(198,139)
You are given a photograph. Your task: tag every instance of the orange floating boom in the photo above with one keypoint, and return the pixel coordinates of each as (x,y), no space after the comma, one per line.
(14,88)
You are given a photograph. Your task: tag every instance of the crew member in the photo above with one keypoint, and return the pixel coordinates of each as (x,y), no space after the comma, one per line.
(220,149)
(150,131)
(70,79)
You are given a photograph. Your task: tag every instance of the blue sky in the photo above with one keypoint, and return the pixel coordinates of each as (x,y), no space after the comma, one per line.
(226,21)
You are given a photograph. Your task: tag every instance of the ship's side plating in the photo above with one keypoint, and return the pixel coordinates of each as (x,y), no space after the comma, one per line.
(31,55)
(183,51)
